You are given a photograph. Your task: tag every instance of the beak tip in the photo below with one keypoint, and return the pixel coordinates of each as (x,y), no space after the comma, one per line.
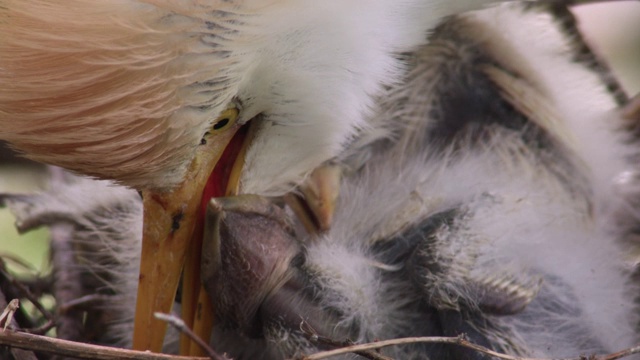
(215,205)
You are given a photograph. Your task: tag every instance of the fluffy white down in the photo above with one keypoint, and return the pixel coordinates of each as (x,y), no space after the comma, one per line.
(316,76)
(523,219)
(524,226)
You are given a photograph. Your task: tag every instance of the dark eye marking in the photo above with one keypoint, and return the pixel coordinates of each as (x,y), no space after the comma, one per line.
(220,124)
(203,141)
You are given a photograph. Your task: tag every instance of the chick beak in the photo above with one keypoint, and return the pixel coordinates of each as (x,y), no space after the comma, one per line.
(172,239)
(316,202)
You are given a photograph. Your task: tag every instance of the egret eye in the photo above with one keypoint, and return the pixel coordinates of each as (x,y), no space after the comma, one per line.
(220,124)
(225,120)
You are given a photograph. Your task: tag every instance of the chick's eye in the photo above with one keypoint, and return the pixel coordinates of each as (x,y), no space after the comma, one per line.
(225,120)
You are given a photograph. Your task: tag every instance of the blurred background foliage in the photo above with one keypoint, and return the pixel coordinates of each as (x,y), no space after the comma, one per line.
(612,28)
(32,246)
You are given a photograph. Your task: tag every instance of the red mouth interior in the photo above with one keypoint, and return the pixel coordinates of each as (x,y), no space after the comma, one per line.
(216,186)
(218,180)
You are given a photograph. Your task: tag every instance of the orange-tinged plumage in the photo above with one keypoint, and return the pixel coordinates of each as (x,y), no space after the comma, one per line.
(106,88)
(126,89)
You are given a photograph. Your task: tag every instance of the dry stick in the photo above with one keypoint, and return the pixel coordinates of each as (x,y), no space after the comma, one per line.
(180,325)
(9,310)
(11,292)
(78,350)
(15,260)
(84,301)
(38,284)
(619,354)
(460,341)
(86,351)
(41,330)
(411,340)
(579,2)
(17,353)
(312,335)
(25,292)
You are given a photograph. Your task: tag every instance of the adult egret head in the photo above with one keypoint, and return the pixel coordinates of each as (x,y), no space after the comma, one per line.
(130,90)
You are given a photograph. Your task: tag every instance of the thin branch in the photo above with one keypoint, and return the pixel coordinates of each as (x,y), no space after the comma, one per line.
(10,291)
(19,262)
(26,293)
(80,350)
(38,285)
(582,2)
(11,307)
(460,341)
(177,323)
(312,335)
(9,310)
(619,354)
(85,301)
(41,330)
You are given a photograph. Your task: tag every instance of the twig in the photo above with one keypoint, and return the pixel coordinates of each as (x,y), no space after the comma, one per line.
(12,307)
(9,310)
(19,262)
(10,291)
(619,354)
(460,341)
(312,335)
(581,2)
(177,323)
(26,293)
(84,301)
(79,350)
(38,285)
(41,330)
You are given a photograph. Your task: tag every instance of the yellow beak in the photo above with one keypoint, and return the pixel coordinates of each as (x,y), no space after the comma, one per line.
(169,224)
(315,204)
